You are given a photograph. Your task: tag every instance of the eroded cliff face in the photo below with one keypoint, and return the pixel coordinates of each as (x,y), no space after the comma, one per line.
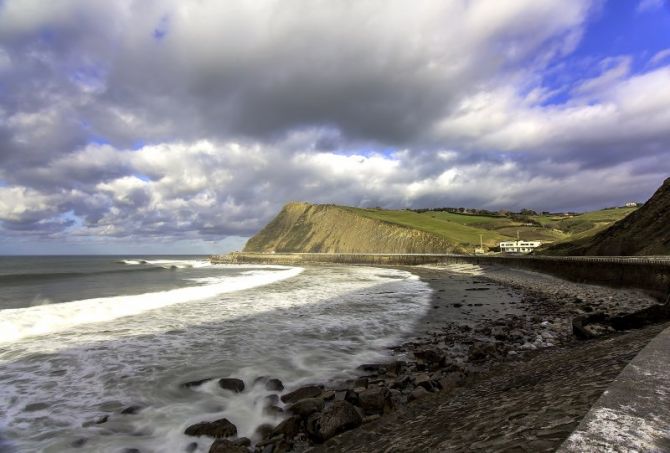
(643,232)
(302,227)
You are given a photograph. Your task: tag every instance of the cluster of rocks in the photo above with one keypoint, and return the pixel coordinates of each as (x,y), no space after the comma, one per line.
(438,363)
(314,414)
(552,312)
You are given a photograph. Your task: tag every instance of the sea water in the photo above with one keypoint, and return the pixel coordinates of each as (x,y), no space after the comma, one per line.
(83,338)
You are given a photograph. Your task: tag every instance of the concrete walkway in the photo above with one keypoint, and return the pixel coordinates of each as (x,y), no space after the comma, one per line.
(633,414)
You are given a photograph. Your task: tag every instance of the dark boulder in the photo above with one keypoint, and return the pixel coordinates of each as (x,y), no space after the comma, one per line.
(218,429)
(271,384)
(339,417)
(131,410)
(264,431)
(240,445)
(499,333)
(425,381)
(361,382)
(305,408)
(197,383)
(376,401)
(308,391)
(288,428)
(273,410)
(418,393)
(450,381)
(579,330)
(372,368)
(480,350)
(401,382)
(430,356)
(274,445)
(75,444)
(351,396)
(232,384)
(274,385)
(98,421)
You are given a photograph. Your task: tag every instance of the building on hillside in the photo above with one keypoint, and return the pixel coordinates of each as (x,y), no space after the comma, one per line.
(519,246)
(631,204)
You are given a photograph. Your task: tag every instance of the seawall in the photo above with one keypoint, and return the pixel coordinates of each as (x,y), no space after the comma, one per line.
(648,273)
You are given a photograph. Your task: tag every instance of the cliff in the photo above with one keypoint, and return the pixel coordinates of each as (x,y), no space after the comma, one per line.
(302,227)
(643,232)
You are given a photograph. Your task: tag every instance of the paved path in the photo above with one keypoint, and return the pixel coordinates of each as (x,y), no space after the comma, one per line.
(634,412)
(528,407)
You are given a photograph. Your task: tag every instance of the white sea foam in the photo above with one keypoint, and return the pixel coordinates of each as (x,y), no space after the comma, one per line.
(318,326)
(169,264)
(179,264)
(44,319)
(133,262)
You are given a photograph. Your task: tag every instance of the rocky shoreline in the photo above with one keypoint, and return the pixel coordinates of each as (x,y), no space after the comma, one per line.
(463,339)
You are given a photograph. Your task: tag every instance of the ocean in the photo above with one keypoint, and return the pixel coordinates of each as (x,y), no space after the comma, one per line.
(84,337)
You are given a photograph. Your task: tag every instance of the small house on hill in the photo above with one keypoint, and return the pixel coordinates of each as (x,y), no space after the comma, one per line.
(519,246)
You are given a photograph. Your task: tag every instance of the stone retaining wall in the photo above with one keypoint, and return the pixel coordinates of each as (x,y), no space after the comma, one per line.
(649,273)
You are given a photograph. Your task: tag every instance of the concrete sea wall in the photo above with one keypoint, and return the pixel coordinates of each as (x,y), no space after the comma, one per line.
(649,273)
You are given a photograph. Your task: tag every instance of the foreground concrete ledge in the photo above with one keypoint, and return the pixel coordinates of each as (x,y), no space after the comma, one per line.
(633,414)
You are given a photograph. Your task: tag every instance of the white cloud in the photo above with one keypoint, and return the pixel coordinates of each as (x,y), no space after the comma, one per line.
(618,111)
(244,106)
(21,203)
(649,5)
(615,69)
(660,56)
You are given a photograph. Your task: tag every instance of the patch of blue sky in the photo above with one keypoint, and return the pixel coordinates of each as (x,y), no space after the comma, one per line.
(142,176)
(98,140)
(619,30)
(137,145)
(367,151)
(623,29)
(47,34)
(90,77)
(161,29)
(71,219)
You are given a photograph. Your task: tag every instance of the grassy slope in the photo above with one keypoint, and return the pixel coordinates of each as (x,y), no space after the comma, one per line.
(644,232)
(466,229)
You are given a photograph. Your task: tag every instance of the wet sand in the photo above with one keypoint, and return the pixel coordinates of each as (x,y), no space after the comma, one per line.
(530,391)
(527,406)
(494,365)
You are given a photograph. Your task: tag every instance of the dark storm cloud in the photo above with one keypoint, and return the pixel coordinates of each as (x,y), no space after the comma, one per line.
(169,119)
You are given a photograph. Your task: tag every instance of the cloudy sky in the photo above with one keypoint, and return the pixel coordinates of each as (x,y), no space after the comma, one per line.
(182,126)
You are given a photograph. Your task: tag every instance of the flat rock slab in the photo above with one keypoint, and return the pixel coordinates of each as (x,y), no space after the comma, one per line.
(634,413)
(528,406)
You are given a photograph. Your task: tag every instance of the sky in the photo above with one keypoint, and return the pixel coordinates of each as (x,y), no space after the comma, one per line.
(179,126)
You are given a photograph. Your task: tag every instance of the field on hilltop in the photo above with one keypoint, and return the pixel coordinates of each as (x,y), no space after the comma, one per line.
(303,227)
(644,232)
(465,229)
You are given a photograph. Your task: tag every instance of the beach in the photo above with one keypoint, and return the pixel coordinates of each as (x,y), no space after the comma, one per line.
(495,364)
(531,401)
(223,358)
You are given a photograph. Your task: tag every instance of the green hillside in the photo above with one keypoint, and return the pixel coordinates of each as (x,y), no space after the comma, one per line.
(643,232)
(305,227)
(465,229)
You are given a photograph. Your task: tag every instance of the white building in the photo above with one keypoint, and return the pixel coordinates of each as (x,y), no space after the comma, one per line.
(519,246)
